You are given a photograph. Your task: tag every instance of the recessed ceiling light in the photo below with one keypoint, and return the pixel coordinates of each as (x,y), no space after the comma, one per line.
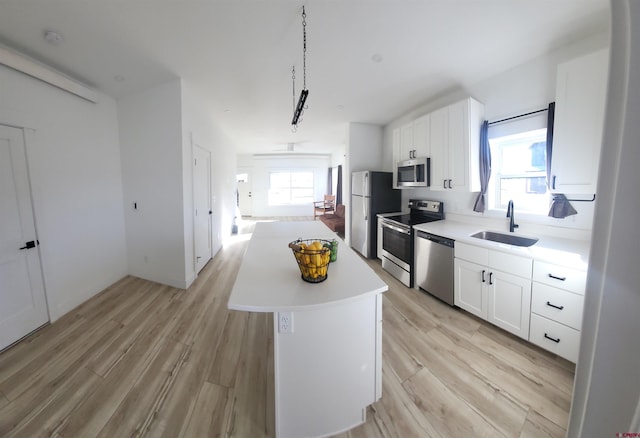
(53,37)
(376,58)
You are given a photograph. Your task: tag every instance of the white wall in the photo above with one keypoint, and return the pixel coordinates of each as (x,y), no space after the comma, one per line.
(152,167)
(199,127)
(158,130)
(364,152)
(260,168)
(75,172)
(528,87)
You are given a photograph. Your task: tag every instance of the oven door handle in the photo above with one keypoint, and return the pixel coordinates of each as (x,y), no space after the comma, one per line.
(398,229)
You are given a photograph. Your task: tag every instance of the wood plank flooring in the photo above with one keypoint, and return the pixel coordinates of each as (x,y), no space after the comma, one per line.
(143,359)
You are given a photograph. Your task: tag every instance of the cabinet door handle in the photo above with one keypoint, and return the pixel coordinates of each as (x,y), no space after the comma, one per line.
(557,278)
(554,306)
(444,183)
(483,280)
(490,277)
(557,341)
(450,183)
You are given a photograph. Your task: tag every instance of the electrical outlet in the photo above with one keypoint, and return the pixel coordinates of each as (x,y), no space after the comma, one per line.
(285,322)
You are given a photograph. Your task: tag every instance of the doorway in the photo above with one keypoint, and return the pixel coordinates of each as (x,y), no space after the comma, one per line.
(202,214)
(245,197)
(23,305)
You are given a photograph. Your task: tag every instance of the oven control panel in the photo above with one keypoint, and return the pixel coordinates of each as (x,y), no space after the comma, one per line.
(425,205)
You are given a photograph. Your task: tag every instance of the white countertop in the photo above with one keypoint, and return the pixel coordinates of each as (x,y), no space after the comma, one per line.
(269,279)
(565,252)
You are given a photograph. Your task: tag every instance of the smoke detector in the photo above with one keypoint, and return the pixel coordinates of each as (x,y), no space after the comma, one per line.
(53,38)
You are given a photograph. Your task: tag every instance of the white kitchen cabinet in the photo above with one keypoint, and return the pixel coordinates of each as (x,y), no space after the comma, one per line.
(494,286)
(454,140)
(581,87)
(509,302)
(555,337)
(410,141)
(557,305)
(406,142)
(414,139)
(469,290)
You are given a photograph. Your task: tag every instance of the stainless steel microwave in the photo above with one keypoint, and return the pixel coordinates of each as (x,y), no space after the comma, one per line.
(414,172)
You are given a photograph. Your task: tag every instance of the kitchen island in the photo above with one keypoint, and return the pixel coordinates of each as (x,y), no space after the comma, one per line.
(328,345)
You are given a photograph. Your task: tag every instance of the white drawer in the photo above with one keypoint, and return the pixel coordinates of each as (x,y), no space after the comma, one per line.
(472,253)
(555,337)
(560,276)
(500,261)
(557,304)
(512,264)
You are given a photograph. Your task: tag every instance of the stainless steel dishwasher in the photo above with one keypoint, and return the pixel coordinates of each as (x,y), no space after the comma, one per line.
(434,265)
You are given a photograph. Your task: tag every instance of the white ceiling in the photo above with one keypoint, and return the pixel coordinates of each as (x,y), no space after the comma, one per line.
(238,54)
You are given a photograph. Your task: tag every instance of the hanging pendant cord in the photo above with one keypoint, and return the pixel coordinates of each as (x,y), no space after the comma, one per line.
(294,127)
(304,49)
(293,77)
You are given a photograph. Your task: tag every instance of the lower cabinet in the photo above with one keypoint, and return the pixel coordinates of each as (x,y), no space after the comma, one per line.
(486,290)
(469,290)
(538,301)
(555,337)
(557,304)
(509,304)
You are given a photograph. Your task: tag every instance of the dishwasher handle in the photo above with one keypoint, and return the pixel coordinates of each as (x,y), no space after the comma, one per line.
(436,239)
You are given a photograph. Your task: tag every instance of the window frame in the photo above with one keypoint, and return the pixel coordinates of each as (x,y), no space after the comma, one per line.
(509,131)
(291,200)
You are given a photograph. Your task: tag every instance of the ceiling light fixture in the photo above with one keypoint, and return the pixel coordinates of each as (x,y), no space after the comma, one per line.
(298,110)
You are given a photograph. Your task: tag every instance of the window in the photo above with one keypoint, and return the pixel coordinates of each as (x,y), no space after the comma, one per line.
(519,166)
(291,187)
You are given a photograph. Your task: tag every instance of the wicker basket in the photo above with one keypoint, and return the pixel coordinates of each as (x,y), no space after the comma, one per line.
(313,263)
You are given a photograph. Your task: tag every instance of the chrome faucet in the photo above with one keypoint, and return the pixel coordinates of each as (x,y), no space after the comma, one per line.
(512,225)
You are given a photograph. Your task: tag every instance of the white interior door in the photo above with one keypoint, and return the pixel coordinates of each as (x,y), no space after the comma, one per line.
(244,192)
(23,306)
(202,214)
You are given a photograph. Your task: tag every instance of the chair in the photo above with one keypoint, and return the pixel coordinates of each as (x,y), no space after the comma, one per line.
(326,206)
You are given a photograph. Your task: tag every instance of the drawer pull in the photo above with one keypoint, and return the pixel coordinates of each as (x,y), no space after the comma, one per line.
(490,277)
(483,280)
(554,306)
(557,341)
(557,278)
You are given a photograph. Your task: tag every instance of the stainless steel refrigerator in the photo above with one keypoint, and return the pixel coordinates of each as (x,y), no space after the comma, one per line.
(371,193)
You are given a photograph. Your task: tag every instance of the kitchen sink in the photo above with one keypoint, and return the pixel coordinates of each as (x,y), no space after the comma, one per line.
(509,239)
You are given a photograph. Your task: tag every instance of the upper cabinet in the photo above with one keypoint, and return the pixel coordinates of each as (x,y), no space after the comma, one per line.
(579,115)
(410,141)
(454,139)
(414,139)
(450,136)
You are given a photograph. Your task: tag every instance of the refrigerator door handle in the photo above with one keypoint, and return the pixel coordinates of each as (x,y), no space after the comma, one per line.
(364,209)
(365,188)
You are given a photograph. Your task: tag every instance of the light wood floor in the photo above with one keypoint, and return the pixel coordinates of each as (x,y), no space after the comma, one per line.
(143,359)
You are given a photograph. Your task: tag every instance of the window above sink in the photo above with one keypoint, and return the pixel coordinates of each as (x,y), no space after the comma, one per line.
(519,165)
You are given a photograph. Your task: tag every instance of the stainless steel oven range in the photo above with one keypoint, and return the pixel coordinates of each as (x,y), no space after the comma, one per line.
(397,237)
